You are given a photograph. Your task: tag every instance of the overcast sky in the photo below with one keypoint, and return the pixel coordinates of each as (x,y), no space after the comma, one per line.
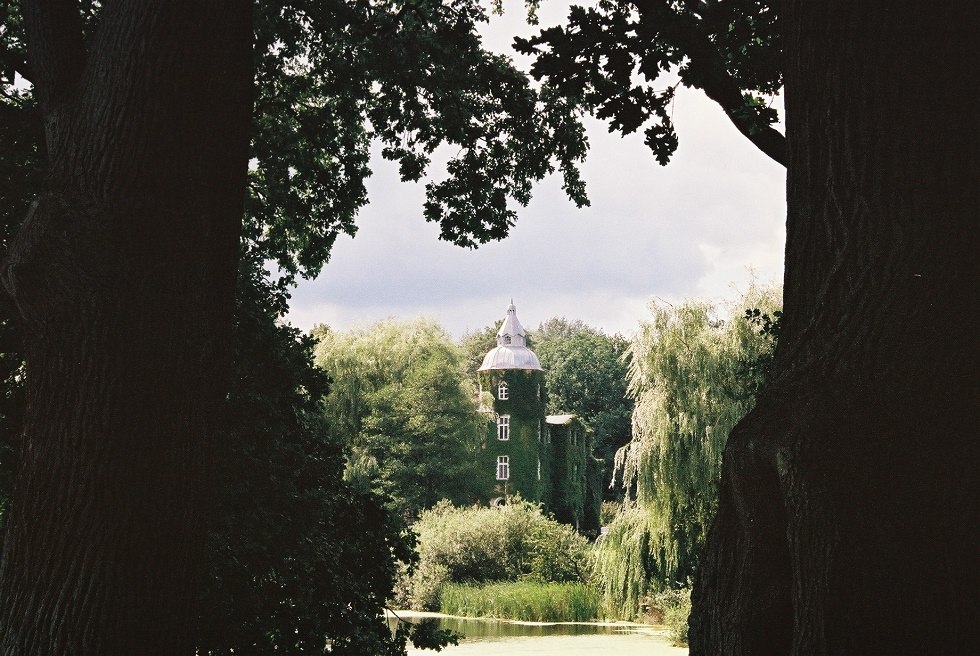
(694,228)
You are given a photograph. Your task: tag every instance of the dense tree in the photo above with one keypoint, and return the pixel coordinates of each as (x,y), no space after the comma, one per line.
(403,402)
(296,555)
(476,345)
(121,279)
(586,376)
(693,376)
(843,491)
(624,60)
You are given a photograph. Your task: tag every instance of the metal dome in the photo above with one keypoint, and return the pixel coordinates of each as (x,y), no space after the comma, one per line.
(511,351)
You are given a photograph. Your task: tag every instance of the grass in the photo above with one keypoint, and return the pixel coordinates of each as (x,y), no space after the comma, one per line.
(527,601)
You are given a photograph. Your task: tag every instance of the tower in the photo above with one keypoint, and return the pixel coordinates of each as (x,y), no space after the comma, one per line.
(517,437)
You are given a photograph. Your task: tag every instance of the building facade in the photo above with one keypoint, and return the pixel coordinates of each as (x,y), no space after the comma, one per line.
(545,459)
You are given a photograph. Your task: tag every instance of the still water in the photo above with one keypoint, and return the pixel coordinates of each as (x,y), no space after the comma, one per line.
(485,637)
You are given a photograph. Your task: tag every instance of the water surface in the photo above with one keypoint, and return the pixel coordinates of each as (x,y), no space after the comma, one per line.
(488,637)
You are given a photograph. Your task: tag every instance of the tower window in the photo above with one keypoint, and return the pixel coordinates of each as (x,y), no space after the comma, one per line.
(503,468)
(502,392)
(503,427)
(507,340)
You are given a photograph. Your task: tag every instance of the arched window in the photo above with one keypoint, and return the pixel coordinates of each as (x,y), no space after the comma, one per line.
(502,391)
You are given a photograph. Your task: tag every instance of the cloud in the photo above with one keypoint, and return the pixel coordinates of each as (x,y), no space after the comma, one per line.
(692,228)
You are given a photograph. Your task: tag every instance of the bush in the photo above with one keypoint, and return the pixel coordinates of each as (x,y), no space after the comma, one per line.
(524,600)
(675,606)
(479,545)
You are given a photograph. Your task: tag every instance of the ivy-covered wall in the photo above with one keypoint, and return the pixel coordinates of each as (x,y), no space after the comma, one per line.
(525,405)
(548,463)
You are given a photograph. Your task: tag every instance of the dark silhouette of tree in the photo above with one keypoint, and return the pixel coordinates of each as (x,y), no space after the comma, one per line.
(145,125)
(843,492)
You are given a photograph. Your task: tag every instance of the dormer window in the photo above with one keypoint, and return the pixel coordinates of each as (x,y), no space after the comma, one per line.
(507,340)
(502,391)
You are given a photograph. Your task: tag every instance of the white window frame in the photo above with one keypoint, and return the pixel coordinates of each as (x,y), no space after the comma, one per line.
(503,393)
(503,468)
(503,427)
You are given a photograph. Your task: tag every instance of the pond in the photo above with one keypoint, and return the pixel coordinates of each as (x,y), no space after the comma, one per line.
(488,637)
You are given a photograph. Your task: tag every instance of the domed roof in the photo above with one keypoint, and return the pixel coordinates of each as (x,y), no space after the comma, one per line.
(511,351)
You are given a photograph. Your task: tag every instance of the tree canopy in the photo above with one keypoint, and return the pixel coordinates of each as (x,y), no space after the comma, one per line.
(403,404)
(296,555)
(623,61)
(586,375)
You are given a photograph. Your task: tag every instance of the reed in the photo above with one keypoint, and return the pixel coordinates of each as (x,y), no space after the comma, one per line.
(523,600)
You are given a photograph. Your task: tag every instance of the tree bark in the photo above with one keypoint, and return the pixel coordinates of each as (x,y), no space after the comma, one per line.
(848,501)
(123,276)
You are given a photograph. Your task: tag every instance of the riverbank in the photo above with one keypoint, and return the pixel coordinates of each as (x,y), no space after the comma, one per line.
(496,637)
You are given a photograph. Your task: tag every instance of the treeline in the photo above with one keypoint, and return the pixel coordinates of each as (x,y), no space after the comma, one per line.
(404,399)
(322,470)
(661,406)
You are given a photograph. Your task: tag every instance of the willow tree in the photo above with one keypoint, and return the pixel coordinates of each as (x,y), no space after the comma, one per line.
(693,377)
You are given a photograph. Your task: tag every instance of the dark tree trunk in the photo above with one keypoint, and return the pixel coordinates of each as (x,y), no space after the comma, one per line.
(123,276)
(848,502)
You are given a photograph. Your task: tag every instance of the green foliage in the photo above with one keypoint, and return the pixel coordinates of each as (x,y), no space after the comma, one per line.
(336,75)
(585,374)
(475,345)
(525,600)
(675,607)
(689,377)
(607,512)
(296,555)
(624,60)
(402,402)
(477,545)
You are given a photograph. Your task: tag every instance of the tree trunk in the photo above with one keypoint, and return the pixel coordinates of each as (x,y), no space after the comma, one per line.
(848,502)
(123,276)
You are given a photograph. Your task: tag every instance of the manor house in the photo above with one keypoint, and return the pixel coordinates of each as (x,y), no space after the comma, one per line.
(546,458)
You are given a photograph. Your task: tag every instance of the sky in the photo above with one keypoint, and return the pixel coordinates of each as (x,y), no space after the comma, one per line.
(701,227)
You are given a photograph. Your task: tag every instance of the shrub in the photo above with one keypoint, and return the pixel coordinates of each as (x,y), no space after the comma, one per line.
(483,545)
(675,606)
